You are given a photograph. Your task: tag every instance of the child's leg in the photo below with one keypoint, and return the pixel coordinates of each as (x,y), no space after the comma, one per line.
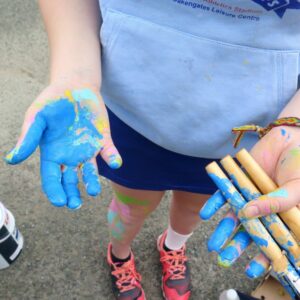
(126,214)
(176,280)
(184,212)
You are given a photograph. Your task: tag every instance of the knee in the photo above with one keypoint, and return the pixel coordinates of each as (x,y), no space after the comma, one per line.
(189,203)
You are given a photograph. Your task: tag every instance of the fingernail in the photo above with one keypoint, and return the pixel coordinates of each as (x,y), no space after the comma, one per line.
(94,189)
(115,162)
(250,211)
(9,156)
(74,203)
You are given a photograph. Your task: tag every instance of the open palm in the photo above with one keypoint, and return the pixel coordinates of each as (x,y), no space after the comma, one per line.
(70,130)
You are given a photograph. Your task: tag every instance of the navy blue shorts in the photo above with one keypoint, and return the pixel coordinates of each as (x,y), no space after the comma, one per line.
(147,166)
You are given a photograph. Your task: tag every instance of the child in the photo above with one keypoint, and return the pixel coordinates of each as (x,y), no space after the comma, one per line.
(176,77)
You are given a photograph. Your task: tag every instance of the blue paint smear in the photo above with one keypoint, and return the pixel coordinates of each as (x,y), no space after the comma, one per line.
(51,183)
(259,241)
(255,270)
(236,201)
(285,284)
(224,184)
(91,179)
(245,192)
(222,233)
(267,221)
(279,193)
(70,186)
(231,253)
(84,94)
(30,142)
(283,132)
(110,216)
(212,205)
(114,162)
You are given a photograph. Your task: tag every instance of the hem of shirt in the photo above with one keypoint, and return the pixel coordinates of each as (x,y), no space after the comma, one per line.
(158,187)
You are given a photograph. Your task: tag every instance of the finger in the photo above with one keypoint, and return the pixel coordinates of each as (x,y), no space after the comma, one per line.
(51,183)
(223,232)
(282,199)
(70,185)
(212,205)
(235,248)
(91,178)
(92,100)
(258,266)
(32,130)
(110,154)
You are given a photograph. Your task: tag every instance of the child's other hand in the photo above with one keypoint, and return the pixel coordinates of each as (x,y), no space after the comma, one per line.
(278,153)
(71,127)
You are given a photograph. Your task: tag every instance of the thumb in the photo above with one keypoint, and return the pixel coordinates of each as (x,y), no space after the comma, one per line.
(110,154)
(32,130)
(282,199)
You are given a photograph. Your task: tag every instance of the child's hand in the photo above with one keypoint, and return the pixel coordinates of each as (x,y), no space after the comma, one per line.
(278,153)
(71,128)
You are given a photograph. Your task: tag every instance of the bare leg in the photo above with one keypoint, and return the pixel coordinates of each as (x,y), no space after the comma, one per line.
(184,211)
(127,212)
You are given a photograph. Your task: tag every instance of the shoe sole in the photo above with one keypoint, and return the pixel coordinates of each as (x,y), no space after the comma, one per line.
(165,298)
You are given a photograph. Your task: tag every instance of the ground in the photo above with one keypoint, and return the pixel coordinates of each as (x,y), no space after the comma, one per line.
(64,251)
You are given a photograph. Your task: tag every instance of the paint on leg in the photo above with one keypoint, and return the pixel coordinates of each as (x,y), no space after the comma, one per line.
(129,200)
(116,226)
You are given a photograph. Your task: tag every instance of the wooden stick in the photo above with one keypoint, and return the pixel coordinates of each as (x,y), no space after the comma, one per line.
(272,222)
(291,217)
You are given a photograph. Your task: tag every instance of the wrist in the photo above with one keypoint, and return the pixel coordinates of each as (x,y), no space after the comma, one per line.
(77,78)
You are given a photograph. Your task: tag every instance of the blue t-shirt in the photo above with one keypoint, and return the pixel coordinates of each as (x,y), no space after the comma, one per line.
(183,73)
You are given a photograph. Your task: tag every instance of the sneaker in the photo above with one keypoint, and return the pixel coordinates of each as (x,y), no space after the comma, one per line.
(126,281)
(176,279)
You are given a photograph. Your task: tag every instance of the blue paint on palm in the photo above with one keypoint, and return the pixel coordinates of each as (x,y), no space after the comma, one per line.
(212,205)
(70,138)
